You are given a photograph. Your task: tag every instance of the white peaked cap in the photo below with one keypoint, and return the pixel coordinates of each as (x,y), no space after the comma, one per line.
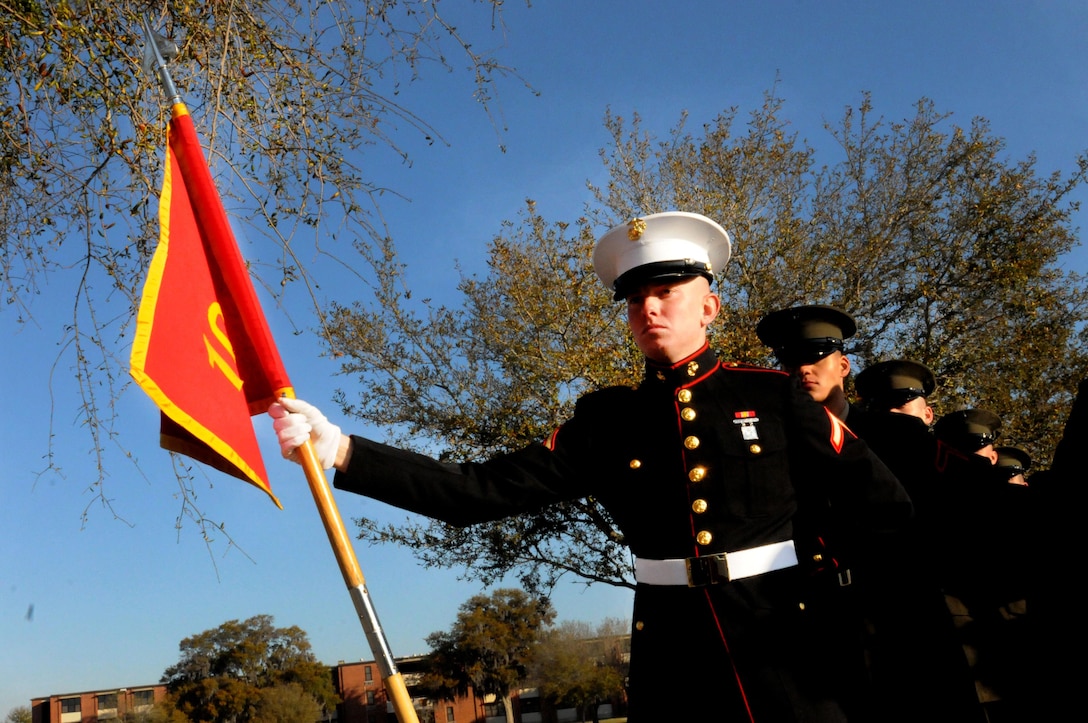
(674,244)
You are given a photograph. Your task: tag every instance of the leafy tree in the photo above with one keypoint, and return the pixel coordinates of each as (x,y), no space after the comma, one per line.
(19,714)
(288,703)
(248,671)
(578,665)
(288,96)
(489,647)
(944,250)
(162,712)
(490,377)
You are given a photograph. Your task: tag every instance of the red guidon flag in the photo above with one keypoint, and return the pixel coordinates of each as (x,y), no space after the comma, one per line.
(203,351)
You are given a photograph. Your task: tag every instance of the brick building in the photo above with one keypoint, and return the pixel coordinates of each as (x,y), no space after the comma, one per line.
(97,705)
(359,686)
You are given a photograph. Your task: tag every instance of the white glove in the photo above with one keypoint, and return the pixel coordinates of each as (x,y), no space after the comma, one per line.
(295,421)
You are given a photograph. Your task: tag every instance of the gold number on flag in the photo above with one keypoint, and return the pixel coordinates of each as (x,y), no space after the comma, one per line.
(215,314)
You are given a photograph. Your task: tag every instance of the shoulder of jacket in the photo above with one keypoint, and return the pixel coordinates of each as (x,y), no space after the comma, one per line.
(607,395)
(740,367)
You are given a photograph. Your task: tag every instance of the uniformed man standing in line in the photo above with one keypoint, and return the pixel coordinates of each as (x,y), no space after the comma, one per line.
(897,421)
(808,344)
(970,431)
(898,386)
(986,565)
(918,666)
(1014,462)
(1055,540)
(712,472)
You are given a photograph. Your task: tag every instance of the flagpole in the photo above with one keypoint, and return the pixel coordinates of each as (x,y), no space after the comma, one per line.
(353,576)
(157,49)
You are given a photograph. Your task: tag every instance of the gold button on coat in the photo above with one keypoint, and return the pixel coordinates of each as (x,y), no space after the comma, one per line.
(755,449)
(697,474)
(704,537)
(640,625)
(687,414)
(635,463)
(684,395)
(691,442)
(699,506)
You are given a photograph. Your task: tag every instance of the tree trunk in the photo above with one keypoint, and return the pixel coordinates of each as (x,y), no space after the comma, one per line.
(508,705)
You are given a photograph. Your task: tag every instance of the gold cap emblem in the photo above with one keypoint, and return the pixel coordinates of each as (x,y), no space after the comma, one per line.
(635,227)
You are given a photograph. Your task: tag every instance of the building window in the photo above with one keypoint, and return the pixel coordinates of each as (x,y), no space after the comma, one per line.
(449,714)
(368,674)
(142,699)
(107,706)
(70,710)
(370,697)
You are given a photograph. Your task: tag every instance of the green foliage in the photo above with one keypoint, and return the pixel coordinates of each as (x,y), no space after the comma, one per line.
(943,249)
(499,373)
(489,647)
(578,666)
(19,714)
(288,703)
(162,712)
(248,671)
(288,98)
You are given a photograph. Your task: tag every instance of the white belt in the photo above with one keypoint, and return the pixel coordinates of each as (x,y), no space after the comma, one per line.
(722,567)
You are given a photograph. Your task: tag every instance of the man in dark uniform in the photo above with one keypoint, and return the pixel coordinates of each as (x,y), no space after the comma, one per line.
(898,386)
(808,343)
(986,564)
(919,670)
(1015,463)
(714,473)
(1055,541)
(970,431)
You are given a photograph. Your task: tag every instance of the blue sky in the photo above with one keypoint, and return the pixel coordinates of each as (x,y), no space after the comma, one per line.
(104,603)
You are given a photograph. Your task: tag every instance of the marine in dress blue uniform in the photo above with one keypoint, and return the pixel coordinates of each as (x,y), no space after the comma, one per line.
(1055,540)
(808,342)
(919,670)
(986,572)
(717,474)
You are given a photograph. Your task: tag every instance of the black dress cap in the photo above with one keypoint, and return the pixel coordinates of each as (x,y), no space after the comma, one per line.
(895,382)
(805,334)
(968,430)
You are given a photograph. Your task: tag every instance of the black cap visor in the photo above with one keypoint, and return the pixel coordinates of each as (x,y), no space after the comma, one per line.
(895,398)
(808,351)
(969,442)
(631,280)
